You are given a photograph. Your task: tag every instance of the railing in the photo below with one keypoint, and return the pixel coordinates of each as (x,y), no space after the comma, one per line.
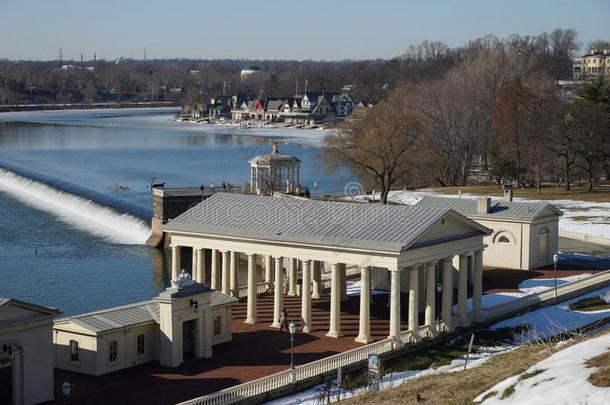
(261,288)
(547,296)
(320,367)
(306,371)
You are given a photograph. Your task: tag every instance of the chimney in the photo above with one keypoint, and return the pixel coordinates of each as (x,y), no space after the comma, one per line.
(483,205)
(508,194)
(606,51)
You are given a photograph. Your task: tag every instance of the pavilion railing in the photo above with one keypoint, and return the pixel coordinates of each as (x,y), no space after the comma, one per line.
(551,295)
(291,377)
(261,288)
(311,370)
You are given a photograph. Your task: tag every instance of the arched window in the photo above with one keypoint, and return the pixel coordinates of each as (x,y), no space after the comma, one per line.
(503,237)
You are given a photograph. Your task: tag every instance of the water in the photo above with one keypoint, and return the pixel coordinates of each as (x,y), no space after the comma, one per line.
(59,248)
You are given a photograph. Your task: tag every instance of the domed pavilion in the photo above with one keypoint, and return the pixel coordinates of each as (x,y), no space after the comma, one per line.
(274,171)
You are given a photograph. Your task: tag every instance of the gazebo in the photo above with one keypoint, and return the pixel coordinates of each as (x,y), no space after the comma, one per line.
(274,171)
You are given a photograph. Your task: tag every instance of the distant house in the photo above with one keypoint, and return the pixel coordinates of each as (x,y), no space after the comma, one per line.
(525,234)
(343,104)
(595,63)
(184,321)
(26,352)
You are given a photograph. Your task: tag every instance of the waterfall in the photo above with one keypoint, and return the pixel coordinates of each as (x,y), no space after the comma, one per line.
(115,220)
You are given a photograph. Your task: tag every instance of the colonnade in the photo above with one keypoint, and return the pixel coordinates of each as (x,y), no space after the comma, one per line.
(422,289)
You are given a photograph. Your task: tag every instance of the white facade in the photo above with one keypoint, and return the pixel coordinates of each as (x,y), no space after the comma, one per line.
(182,322)
(26,353)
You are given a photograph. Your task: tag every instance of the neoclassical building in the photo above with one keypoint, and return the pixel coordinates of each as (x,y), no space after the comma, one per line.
(274,171)
(410,243)
(184,321)
(26,352)
(525,234)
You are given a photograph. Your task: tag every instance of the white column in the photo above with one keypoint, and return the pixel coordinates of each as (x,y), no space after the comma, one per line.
(477,285)
(258,175)
(343,282)
(234,275)
(414,299)
(394,304)
(430,313)
(364,326)
(306,296)
(316,291)
(292,277)
(335,303)
(298,177)
(251,178)
(225,272)
(194,264)
(215,282)
(278,295)
(175,261)
(448,292)
(251,309)
(200,266)
(462,290)
(268,269)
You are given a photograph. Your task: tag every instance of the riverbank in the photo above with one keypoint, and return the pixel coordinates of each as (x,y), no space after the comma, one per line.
(84,106)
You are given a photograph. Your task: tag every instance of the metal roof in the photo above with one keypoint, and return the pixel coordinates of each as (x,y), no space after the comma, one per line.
(499,209)
(389,228)
(132,314)
(29,305)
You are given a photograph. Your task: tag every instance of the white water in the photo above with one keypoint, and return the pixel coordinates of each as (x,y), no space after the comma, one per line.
(77,211)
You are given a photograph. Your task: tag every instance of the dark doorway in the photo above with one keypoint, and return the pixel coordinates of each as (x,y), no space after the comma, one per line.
(188,339)
(6,385)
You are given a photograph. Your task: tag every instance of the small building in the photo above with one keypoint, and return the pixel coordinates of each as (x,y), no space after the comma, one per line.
(182,322)
(274,171)
(249,71)
(525,234)
(26,352)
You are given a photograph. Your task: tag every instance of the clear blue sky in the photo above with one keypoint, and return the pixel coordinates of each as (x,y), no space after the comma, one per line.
(271,29)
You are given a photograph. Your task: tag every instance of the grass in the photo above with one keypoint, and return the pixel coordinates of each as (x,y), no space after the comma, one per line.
(441,354)
(590,304)
(462,387)
(602,194)
(601,377)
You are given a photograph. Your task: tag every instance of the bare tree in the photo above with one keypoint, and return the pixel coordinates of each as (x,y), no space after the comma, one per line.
(382,147)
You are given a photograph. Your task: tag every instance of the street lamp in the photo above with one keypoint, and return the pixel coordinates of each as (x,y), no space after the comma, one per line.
(66,388)
(555,260)
(292,329)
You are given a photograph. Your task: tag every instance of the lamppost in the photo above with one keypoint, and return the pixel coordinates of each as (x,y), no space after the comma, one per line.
(66,388)
(292,329)
(555,260)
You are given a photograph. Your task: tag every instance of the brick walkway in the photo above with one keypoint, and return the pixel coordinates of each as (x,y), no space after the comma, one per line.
(258,350)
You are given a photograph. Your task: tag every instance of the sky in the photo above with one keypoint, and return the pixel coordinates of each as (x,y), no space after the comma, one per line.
(271,29)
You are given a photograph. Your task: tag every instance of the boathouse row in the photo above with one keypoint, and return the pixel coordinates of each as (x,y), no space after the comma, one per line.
(412,248)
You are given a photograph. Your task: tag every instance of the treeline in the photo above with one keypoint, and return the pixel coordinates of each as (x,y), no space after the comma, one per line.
(498,112)
(185,81)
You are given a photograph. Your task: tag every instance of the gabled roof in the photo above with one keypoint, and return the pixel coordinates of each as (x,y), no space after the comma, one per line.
(499,209)
(28,305)
(130,315)
(388,228)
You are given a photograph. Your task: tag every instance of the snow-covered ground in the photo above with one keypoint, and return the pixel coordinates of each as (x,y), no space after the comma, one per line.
(582,217)
(551,320)
(542,322)
(559,379)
